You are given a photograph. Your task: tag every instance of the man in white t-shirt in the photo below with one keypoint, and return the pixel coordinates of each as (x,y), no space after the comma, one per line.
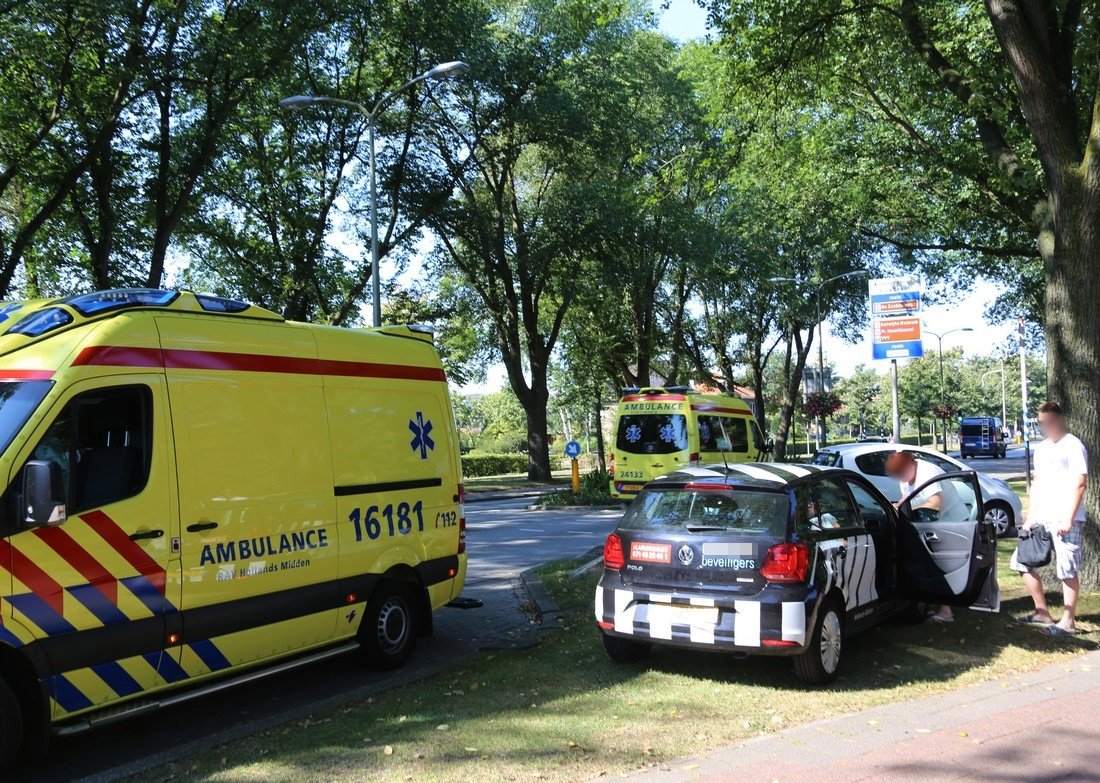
(1061,466)
(941,497)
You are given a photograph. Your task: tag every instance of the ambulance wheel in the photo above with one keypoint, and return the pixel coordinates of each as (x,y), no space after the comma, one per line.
(11,726)
(388,631)
(625,650)
(820,662)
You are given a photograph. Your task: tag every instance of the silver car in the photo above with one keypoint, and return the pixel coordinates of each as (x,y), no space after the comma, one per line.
(1002,505)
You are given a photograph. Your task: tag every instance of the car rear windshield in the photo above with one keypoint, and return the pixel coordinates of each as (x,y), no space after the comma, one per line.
(828,458)
(707,511)
(973,429)
(652,433)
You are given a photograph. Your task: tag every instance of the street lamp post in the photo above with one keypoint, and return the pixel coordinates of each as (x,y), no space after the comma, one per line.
(442,71)
(820,438)
(939,339)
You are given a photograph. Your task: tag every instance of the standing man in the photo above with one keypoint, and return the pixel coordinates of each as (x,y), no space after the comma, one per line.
(1056,501)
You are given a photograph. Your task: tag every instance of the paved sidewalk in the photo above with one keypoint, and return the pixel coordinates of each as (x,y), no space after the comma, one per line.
(1042,726)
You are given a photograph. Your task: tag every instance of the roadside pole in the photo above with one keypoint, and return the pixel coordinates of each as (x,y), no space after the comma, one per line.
(573,450)
(1023,401)
(896,411)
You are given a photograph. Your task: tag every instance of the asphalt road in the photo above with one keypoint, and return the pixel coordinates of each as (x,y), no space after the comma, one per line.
(1012,466)
(503,541)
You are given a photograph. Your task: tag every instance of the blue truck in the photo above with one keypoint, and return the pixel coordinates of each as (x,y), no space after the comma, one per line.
(982,436)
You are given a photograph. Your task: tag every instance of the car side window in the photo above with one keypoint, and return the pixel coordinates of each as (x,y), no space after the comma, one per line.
(873,463)
(102,441)
(825,505)
(711,428)
(939,462)
(871,509)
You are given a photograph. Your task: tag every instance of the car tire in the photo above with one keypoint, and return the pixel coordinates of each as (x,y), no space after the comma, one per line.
(1000,515)
(625,650)
(819,663)
(11,726)
(388,631)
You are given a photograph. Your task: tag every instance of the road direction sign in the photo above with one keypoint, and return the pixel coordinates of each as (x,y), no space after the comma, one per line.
(572,449)
(895,304)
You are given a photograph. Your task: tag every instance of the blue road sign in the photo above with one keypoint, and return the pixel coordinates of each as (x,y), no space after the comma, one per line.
(572,449)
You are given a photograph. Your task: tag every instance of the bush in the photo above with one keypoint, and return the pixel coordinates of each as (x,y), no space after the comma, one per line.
(476,465)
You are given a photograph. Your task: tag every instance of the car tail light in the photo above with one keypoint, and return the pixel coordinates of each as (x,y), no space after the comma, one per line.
(613,558)
(461,519)
(704,485)
(611,464)
(786,563)
(694,459)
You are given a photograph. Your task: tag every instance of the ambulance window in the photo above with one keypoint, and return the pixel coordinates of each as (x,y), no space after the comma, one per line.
(652,433)
(102,440)
(710,431)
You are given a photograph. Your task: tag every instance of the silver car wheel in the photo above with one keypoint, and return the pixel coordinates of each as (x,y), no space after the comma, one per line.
(830,642)
(393,625)
(999,518)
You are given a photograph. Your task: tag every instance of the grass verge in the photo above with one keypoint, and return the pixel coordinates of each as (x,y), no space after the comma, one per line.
(563,712)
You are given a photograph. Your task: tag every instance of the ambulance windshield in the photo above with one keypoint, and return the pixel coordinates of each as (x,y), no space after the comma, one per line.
(18,400)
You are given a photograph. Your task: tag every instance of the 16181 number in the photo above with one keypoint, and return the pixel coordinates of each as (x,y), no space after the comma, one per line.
(395,520)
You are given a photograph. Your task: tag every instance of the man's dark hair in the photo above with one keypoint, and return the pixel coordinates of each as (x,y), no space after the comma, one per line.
(1051,407)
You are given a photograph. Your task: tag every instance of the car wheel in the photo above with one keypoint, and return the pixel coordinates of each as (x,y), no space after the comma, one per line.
(999,514)
(11,726)
(819,663)
(625,650)
(387,633)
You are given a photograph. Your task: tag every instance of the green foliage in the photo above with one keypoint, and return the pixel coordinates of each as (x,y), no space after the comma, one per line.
(475,465)
(595,491)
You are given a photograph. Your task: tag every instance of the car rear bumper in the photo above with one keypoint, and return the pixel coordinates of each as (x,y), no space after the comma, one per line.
(763,624)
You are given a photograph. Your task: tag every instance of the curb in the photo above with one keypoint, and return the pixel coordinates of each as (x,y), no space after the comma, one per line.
(548,610)
(507,494)
(571,508)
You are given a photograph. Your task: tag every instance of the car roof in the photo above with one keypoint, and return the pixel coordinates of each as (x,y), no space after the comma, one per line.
(864,448)
(763,475)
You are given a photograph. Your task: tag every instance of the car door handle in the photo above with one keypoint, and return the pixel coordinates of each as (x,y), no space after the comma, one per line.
(931,535)
(198,527)
(144,534)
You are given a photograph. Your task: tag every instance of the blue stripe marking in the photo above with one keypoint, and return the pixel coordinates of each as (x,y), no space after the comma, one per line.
(166,666)
(7,637)
(147,593)
(41,614)
(96,603)
(210,655)
(68,695)
(117,678)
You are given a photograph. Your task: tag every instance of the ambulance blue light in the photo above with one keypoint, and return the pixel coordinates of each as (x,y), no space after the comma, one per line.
(220,304)
(40,322)
(8,309)
(104,301)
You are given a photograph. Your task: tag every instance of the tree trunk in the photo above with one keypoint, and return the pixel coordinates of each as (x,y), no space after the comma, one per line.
(538,446)
(1073,343)
(794,365)
(601,447)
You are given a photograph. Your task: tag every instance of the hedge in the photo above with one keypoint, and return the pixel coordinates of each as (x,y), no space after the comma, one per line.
(475,465)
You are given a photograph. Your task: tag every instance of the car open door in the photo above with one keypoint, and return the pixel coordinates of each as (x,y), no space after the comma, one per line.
(947,551)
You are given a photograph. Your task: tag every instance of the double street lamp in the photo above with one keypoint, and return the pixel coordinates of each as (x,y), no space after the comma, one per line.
(820,333)
(446,70)
(939,339)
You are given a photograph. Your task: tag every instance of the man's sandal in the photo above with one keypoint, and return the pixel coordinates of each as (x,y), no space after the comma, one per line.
(1056,630)
(1034,619)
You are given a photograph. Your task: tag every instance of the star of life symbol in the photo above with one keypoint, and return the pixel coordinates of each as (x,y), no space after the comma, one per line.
(633,433)
(422,439)
(668,433)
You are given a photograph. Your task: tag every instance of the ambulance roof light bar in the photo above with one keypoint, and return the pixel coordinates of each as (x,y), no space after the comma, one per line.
(104,301)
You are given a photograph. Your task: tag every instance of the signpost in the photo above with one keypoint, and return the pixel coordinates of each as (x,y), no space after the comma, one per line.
(573,450)
(895,328)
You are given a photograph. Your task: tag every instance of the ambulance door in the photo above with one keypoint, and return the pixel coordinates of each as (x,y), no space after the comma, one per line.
(96,587)
(258,539)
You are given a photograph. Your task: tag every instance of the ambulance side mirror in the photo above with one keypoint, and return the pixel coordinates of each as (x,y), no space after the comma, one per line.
(43,494)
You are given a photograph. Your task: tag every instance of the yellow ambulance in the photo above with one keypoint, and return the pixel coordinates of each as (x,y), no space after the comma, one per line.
(659,430)
(196,490)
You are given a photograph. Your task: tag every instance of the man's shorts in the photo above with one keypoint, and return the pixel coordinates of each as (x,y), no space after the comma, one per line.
(1067,552)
